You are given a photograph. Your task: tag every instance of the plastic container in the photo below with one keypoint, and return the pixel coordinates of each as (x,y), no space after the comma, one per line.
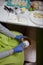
(20,3)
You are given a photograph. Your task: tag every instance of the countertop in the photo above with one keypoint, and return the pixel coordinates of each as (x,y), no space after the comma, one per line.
(7,17)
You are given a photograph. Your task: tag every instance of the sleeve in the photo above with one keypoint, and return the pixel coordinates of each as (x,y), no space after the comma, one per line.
(6,53)
(5,31)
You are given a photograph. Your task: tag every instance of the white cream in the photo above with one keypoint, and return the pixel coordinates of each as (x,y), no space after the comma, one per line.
(26,43)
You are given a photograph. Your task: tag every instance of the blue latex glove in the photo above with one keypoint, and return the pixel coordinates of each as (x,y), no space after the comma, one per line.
(19,48)
(19,37)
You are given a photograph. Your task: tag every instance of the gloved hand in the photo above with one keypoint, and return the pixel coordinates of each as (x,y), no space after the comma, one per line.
(19,37)
(19,48)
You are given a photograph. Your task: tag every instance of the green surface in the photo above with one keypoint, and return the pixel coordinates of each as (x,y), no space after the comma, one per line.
(7,43)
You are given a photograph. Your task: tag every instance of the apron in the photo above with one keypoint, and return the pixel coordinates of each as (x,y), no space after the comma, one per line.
(7,43)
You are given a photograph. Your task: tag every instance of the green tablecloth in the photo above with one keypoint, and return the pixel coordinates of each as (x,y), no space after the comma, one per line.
(7,43)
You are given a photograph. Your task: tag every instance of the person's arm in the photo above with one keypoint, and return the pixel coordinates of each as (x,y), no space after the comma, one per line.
(12,51)
(7,32)
(17,49)
(6,53)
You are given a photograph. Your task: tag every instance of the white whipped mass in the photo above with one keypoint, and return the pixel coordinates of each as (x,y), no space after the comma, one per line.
(26,43)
